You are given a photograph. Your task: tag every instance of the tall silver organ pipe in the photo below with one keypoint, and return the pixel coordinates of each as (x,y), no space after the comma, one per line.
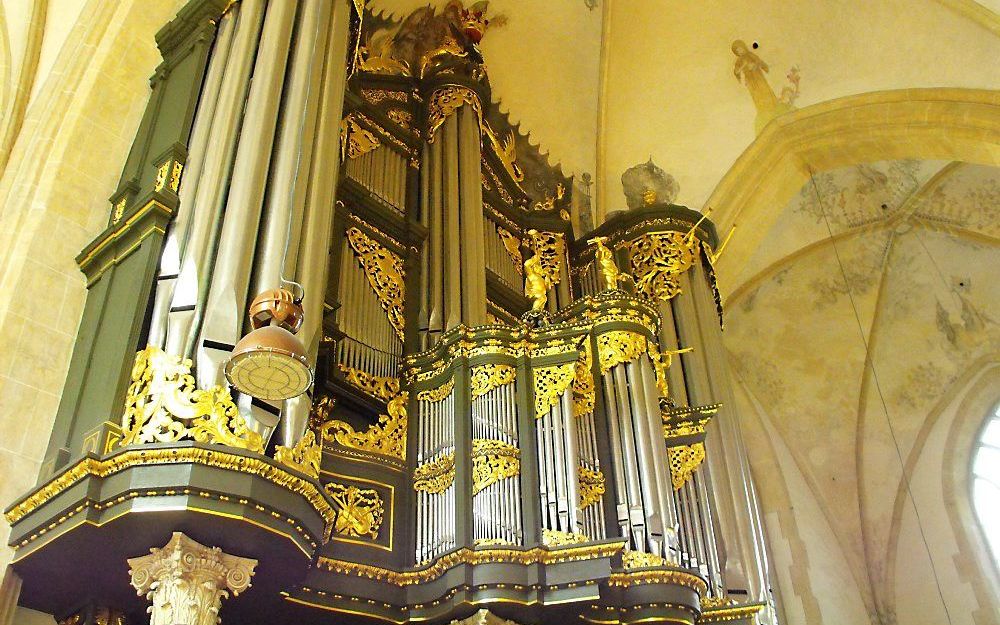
(645,507)
(497,504)
(259,153)
(435,518)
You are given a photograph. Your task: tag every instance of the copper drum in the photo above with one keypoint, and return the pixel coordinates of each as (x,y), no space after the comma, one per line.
(269,363)
(277,306)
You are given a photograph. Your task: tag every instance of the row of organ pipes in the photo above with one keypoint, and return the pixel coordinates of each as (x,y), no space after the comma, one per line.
(496,508)
(382,172)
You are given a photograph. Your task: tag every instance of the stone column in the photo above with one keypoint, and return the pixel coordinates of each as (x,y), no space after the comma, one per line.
(186,581)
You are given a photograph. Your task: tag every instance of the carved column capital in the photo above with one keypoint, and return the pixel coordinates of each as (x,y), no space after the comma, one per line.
(186,581)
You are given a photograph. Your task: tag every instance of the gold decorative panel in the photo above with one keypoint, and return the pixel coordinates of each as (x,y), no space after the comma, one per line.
(305,456)
(163,405)
(359,511)
(492,461)
(618,346)
(658,259)
(684,459)
(385,275)
(485,378)
(550,383)
(387,437)
(446,101)
(592,486)
(381,387)
(436,476)
(583,383)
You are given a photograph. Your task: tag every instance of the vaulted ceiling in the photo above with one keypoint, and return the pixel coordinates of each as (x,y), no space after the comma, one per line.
(873,293)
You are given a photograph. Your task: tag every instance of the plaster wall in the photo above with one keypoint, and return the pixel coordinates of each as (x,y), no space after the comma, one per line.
(78,125)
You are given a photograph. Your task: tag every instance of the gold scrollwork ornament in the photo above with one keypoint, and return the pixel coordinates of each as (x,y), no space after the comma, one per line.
(305,456)
(386,437)
(592,486)
(436,476)
(359,511)
(684,460)
(380,387)
(355,140)
(618,346)
(658,260)
(492,461)
(550,383)
(163,405)
(485,378)
(446,101)
(385,275)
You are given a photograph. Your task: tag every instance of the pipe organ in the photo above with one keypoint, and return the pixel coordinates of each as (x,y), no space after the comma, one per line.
(506,413)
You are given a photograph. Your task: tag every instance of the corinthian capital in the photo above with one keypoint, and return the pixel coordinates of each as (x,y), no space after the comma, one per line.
(186,581)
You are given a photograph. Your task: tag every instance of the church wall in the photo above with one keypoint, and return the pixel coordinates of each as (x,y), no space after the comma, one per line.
(76,133)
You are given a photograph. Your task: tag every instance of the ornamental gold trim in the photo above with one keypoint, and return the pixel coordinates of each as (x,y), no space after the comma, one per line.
(641,559)
(584,394)
(436,476)
(618,346)
(306,456)
(551,249)
(380,387)
(473,557)
(724,610)
(657,261)
(163,405)
(592,486)
(387,437)
(446,101)
(493,461)
(663,576)
(92,467)
(556,538)
(437,394)
(684,460)
(550,383)
(359,510)
(384,270)
(512,245)
(355,140)
(485,378)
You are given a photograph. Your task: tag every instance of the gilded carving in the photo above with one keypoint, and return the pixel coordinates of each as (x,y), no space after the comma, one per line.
(592,486)
(162,173)
(661,363)
(355,140)
(386,437)
(583,383)
(163,405)
(434,56)
(380,387)
(376,96)
(305,456)
(506,151)
(641,559)
(550,383)
(437,394)
(684,459)
(606,263)
(359,510)
(175,176)
(446,101)
(536,287)
(485,378)
(492,461)
(436,476)
(556,538)
(658,260)
(618,346)
(551,248)
(385,275)
(512,245)
(119,210)
(401,117)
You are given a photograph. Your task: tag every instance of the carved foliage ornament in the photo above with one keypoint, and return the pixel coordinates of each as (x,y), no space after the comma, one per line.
(446,101)
(618,346)
(305,456)
(550,383)
(485,378)
(437,394)
(380,387)
(592,486)
(583,383)
(512,245)
(641,559)
(385,275)
(492,461)
(436,476)
(186,581)
(355,140)
(658,260)
(163,405)
(359,510)
(551,247)
(684,459)
(387,437)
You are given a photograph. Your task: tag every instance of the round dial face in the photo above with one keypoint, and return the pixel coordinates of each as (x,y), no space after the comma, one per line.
(269,375)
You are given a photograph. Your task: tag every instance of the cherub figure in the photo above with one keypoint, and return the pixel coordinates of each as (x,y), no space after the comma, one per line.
(535,285)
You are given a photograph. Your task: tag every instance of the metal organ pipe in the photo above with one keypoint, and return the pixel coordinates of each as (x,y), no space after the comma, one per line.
(192,282)
(227,298)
